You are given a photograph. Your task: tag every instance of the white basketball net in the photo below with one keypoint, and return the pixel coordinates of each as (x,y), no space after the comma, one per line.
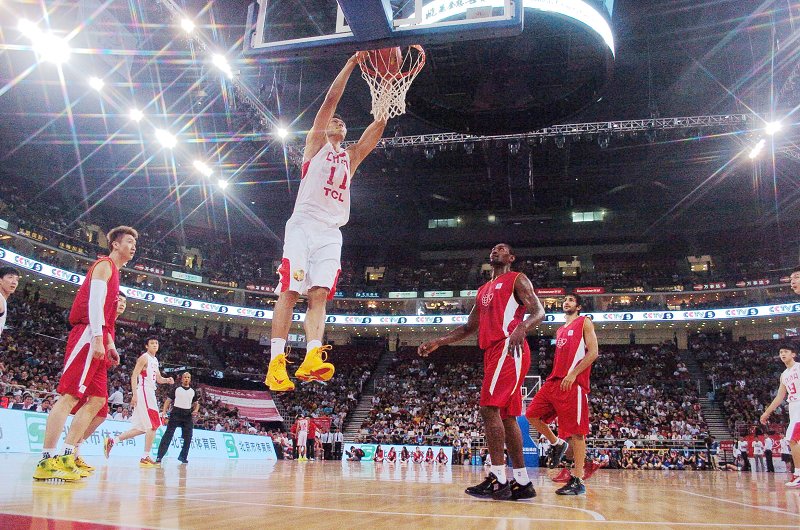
(389,90)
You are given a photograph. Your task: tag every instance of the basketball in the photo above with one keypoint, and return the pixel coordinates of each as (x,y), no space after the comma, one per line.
(387,61)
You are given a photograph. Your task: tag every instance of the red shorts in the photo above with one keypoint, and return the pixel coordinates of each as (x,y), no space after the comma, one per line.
(570,407)
(503,375)
(83,375)
(102,413)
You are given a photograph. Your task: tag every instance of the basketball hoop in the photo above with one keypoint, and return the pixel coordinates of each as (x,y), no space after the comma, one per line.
(389,74)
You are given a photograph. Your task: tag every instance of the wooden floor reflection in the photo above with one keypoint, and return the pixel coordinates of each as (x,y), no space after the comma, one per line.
(230,494)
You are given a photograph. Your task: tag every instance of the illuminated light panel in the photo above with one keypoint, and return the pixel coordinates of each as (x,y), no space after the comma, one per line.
(221,62)
(223,184)
(574,9)
(96,83)
(757,149)
(773,128)
(187,25)
(202,168)
(165,138)
(136,115)
(282,132)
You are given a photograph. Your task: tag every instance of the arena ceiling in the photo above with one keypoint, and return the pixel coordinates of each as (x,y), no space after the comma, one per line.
(675,58)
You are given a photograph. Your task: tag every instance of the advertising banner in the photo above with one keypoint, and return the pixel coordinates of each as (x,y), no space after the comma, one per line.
(438,294)
(23,432)
(253,404)
(412,320)
(551,291)
(402,294)
(369,451)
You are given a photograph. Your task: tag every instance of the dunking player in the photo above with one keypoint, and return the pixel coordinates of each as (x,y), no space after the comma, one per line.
(313,242)
(112,361)
(146,418)
(498,318)
(794,280)
(92,317)
(789,390)
(564,395)
(9,279)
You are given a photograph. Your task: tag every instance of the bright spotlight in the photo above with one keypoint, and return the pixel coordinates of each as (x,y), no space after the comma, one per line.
(757,149)
(96,83)
(222,183)
(48,47)
(202,168)
(187,25)
(222,63)
(773,127)
(136,115)
(166,139)
(282,132)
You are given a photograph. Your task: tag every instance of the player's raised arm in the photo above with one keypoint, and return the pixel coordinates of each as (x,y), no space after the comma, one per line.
(779,397)
(461,332)
(316,137)
(365,145)
(525,295)
(98,288)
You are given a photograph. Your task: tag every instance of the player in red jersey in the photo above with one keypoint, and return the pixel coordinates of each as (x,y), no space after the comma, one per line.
(312,248)
(92,317)
(498,315)
(112,361)
(564,395)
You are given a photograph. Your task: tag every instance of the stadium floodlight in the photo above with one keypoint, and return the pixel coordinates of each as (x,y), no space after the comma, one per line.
(96,83)
(48,47)
(165,138)
(773,127)
(282,132)
(187,25)
(203,168)
(757,149)
(222,183)
(221,62)
(136,115)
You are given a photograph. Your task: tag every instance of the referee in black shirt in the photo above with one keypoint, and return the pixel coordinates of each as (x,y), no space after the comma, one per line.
(184,406)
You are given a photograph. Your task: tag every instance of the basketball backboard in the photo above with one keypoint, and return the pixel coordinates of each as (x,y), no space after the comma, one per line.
(281,28)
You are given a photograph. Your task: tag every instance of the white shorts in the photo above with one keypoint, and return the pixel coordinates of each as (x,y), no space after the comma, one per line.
(302,438)
(312,254)
(793,432)
(145,415)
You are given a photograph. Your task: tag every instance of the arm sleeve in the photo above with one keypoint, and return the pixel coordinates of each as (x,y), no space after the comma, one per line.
(97,299)
(195,397)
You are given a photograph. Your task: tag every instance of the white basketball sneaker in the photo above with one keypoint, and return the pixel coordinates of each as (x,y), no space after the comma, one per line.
(794,483)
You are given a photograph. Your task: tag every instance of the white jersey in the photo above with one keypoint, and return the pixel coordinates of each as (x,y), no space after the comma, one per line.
(147,377)
(3,313)
(302,425)
(790,378)
(324,193)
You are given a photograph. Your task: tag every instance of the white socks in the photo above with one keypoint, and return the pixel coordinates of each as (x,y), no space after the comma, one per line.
(277,346)
(500,473)
(313,344)
(69,449)
(521,476)
(48,453)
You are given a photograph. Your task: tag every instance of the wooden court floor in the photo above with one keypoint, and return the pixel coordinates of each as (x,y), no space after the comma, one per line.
(224,494)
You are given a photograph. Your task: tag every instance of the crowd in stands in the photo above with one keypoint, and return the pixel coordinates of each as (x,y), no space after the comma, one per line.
(744,377)
(245,263)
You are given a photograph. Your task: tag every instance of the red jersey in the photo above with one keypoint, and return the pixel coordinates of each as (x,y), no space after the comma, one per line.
(79,314)
(570,350)
(498,309)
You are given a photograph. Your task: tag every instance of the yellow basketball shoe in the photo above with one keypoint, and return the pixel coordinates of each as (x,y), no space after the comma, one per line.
(148,462)
(80,463)
(49,468)
(314,367)
(277,377)
(67,463)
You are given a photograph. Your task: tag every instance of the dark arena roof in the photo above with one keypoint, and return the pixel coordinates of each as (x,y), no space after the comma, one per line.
(691,185)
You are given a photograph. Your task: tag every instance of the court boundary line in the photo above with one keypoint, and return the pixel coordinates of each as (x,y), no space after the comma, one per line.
(773,509)
(489,517)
